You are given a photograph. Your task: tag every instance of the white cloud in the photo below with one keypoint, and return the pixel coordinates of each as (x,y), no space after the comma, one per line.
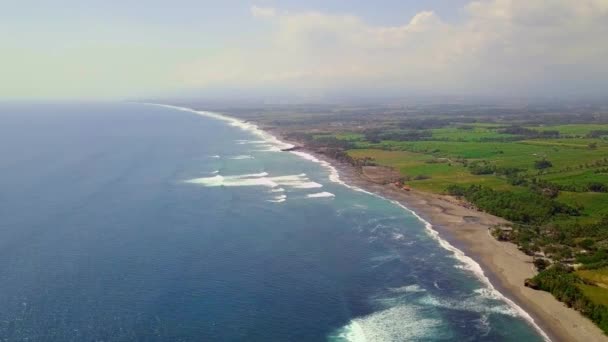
(262,12)
(501,45)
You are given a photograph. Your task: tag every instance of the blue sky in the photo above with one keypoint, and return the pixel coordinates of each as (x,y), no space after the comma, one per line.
(118,49)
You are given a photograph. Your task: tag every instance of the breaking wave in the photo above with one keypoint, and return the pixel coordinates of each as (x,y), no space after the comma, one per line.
(321,195)
(241,157)
(401,323)
(250,142)
(300,181)
(245,126)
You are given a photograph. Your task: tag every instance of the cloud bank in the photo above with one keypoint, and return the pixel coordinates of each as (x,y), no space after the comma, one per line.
(510,46)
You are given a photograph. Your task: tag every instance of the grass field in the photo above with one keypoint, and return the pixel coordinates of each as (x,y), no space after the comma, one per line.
(574,129)
(443,172)
(581,143)
(476,133)
(577,177)
(596,294)
(598,277)
(506,154)
(595,205)
(440,158)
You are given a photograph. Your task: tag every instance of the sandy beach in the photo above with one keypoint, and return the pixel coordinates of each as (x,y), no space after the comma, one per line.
(502,262)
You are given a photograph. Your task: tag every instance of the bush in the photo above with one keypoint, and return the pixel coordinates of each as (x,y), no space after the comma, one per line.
(456,190)
(542,164)
(481,168)
(597,187)
(586,243)
(541,264)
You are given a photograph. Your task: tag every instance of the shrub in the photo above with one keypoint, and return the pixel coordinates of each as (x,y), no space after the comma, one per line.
(541,264)
(597,187)
(481,168)
(542,164)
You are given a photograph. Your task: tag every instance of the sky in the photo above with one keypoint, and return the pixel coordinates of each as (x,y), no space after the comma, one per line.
(78,49)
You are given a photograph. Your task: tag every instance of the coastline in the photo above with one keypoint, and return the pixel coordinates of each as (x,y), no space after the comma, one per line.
(465,231)
(502,263)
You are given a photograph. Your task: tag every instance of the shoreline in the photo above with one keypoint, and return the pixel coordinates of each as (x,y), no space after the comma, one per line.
(465,231)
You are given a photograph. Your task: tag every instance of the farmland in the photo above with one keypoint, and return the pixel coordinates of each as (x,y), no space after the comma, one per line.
(442,158)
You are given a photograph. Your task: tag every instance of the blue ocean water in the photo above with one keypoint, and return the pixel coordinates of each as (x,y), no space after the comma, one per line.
(130,222)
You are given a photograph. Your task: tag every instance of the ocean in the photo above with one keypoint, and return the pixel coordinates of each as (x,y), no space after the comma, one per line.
(134,222)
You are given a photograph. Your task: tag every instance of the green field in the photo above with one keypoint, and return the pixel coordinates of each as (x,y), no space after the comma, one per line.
(577,177)
(596,294)
(598,277)
(574,129)
(597,287)
(507,154)
(475,133)
(581,143)
(442,157)
(442,171)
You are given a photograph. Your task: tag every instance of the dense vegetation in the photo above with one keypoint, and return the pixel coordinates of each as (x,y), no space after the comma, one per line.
(567,287)
(519,207)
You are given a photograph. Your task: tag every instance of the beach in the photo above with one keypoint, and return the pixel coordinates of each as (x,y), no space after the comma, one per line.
(502,262)
(465,232)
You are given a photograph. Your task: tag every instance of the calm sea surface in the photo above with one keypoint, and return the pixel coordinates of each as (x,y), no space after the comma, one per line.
(131,222)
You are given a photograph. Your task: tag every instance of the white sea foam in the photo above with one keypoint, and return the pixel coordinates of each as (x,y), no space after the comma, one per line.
(214,156)
(246,126)
(472,304)
(243,180)
(268,148)
(250,142)
(483,324)
(321,195)
(400,323)
(254,175)
(398,236)
(300,181)
(279,199)
(407,289)
(241,157)
(334,176)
